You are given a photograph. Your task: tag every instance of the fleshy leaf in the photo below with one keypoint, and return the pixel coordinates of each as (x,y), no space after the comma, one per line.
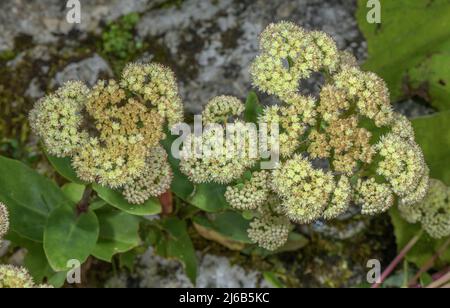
(118,233)
(116,199)
(69,236)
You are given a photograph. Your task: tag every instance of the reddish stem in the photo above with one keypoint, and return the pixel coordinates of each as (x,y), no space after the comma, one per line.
(429,263)
(397,260)
(441,281)
(83,205)
(166,200)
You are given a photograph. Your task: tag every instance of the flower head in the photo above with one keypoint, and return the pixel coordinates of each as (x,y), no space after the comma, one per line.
(110,130)
(369,91)
(57,119)
(289,54)
(221,108)
(154,181)
(157,85)
(433,212)
(251,194)
(17,277)
(269,231)
(403,164)
(375,198)
(340,201)
(305,191)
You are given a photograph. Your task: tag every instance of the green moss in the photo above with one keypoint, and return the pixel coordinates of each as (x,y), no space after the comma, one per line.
(118,43)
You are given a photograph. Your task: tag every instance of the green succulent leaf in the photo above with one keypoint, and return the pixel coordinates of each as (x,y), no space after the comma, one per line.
(118,233)
(410,48)
(74,192)
(181,186)
(30,198)
(433,136)
(64,167)
(175,243)
(295,242)
(116,199)
(230,224)
(69,236)
(209,197)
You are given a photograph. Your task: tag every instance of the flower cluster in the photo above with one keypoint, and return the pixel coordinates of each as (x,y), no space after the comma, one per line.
(269,230)
(289,54)
(220,154)
(433,212)
(249,195)
(57,119)
(334,129)
(305,190)
(112,131)
(17,277)
(220,108)
(155,180)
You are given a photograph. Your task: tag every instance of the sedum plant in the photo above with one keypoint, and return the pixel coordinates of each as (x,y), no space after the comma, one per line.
(368,151)
(112,132)
(341,147)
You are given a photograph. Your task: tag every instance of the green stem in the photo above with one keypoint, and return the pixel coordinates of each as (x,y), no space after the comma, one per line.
(405,274)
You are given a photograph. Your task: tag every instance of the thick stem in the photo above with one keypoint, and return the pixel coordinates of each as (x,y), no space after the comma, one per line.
(397,259)
(83,205)
(429,263)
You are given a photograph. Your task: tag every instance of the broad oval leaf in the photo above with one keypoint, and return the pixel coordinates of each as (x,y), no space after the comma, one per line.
(29,196)
(73,191)
(69,236)
(118,233)
(116,199)
(433,136)
(420,32)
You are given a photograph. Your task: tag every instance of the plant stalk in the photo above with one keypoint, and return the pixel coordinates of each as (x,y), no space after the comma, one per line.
(429,263)
(397,259)
(440,282)
(83,205)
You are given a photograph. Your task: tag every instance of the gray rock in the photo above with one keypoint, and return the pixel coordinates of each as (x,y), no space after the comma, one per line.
(213,272)
(34,90)
(88,70)
(45,21)
(211,44)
